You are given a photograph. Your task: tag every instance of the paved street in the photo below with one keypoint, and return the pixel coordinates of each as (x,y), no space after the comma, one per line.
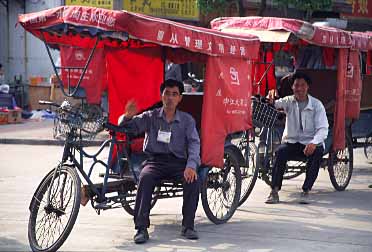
(335,221)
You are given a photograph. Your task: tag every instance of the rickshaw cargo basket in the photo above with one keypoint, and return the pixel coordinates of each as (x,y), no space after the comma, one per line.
(263,114)
(66,123)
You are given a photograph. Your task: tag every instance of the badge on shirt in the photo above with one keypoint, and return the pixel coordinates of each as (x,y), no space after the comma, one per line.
(164,136)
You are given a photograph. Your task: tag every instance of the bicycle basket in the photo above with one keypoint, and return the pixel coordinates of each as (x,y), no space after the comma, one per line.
(77,122)
(263,114)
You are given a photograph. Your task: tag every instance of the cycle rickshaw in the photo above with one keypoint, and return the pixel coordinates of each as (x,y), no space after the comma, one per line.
(131,50)
(337,83)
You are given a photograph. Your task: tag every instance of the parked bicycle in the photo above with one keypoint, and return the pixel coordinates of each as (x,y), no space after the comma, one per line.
(56,202)
(267,137)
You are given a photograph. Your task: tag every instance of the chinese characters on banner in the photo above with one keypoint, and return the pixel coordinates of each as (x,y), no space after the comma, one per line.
(94,80)
(353,90)
(177,9)
(106,4)
(226,105)
(360,8)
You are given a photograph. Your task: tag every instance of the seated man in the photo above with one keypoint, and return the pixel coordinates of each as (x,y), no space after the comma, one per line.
(173,147)
(306,128)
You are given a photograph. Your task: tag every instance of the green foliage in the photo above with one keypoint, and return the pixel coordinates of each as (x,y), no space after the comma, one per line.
(214,6)
(306,5)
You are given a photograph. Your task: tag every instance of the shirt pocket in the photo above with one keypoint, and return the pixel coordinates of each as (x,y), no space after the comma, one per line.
(309,121)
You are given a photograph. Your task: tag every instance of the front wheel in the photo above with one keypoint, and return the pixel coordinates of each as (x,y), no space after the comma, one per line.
(220,192)
(54,209)
(249,174)
(340,166)
(368,148)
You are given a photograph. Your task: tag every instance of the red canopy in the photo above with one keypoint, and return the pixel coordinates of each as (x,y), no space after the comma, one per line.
(69,20)
(134,47)
(317,35)
(273,29)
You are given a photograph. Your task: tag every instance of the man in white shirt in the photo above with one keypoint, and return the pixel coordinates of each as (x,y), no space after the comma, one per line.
(306,128)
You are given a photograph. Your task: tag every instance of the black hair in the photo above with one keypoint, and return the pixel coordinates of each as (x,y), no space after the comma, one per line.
(172,83)
(299,75)
(1,66)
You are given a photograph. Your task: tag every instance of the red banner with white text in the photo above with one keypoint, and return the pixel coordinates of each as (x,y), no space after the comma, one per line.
(353,90)
(226,105)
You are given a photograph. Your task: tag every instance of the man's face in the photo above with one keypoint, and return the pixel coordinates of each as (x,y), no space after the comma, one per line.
(300,89)
(171,97)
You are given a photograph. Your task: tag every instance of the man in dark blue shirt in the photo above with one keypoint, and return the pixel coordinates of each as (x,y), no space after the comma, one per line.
(173,146)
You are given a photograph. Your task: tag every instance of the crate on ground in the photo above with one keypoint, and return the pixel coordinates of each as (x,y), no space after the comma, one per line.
(14,116)
(3,117)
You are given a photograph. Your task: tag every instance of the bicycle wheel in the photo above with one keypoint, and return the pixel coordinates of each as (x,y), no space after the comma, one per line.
(129,200)
(368,148)
(220,192)
(294,169)
(50,224)
(249,174)
(340,166)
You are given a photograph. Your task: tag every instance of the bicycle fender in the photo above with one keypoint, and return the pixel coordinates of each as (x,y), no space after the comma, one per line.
(237,152)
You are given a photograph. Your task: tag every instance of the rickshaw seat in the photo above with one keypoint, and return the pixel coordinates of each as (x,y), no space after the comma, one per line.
(139,157)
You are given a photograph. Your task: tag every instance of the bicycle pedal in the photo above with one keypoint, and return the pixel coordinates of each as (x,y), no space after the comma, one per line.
(111,175)
(102,206)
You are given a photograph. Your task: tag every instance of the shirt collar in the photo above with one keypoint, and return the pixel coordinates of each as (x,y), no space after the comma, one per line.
(309,102)
(177,117)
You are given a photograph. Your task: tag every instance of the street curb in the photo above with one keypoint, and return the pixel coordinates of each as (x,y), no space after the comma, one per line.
(54,142)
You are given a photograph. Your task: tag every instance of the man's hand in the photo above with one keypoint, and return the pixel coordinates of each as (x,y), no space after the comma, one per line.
(309,149)
(130,109)
(190,175)
(271,95)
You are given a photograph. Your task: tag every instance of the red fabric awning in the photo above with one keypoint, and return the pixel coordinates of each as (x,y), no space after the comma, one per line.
(134,49)
(348,91)
(317,35)
(67,21)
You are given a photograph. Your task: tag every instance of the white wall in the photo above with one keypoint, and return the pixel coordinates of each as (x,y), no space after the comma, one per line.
(3,40)
(38,62)
(20,52)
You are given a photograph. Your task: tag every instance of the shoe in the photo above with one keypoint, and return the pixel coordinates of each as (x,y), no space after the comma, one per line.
(141,236)
(84,198)
(305,197)
(189,233)
(273,198)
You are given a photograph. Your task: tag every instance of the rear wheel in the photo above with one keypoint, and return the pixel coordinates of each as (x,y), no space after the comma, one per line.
(340,166)
(220,191)
(249,174)
(50,223)
(368,148)
(129,200)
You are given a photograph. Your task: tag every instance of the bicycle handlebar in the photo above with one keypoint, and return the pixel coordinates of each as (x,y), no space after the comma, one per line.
(41,102)
(115,128)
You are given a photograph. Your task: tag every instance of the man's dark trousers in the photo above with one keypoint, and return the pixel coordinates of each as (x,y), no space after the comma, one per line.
(155,169)
(289,151)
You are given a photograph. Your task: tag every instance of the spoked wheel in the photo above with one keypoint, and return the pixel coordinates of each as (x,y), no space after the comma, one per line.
(368,148)
(129,200)
(340,166)
(220,192)
(294,169)
(51,221)
(249,174)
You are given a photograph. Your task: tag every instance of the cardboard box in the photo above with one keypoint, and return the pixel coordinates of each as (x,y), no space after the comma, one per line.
(14,116)
(3,117)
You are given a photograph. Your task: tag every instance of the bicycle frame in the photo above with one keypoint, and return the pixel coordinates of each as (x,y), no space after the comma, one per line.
(71,146)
